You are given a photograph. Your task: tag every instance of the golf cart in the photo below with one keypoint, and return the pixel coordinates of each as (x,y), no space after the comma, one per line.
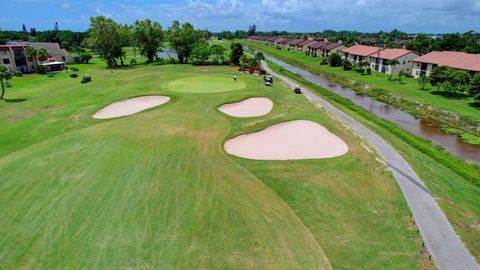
(268,81)
(297,89)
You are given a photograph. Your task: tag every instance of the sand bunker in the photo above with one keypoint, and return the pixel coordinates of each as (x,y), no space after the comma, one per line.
(130,106)
(249,107)
(299,139)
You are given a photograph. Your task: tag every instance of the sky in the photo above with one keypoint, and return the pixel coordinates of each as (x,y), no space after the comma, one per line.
(412,16)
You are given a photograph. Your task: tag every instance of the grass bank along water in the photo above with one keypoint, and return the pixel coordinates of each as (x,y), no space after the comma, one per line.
(463,114)
(455,184)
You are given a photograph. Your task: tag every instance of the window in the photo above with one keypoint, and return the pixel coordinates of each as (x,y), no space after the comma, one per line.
(418,72)
(404,62)
(6,61)
(3,52)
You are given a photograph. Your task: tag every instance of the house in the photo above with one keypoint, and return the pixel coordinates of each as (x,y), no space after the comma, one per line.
(293,43)
(423,65)
(370,41)
(379,60)
(359,53)
(14,59)
(316,48)
(283,43)
(332,48)
(303,46)
(54,51)
(272,41)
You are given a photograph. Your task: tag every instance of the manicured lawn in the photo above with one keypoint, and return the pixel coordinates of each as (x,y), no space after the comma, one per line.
(408,88)
(156,189)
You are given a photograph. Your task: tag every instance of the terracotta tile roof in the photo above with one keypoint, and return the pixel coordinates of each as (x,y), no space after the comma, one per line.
(460,60)
(317,45)
(331,46)
(306,42)
(390,54)
(361,50)
(271,39)
(284,41)
(296,41)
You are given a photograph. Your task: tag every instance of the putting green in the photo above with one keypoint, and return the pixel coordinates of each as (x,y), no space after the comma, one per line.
(206,84)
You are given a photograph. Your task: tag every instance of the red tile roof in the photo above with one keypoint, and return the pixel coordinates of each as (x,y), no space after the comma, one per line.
(296,41)
(331,46)
(317,45)
(284,41)
(306,42)
(460,60)
(361,50)
(390,54)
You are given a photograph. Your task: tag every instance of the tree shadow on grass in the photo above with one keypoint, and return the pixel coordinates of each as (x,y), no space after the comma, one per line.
(14,100)
(475,104)
(446,94)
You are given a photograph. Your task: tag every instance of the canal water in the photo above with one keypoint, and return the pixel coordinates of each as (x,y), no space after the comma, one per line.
(422,127)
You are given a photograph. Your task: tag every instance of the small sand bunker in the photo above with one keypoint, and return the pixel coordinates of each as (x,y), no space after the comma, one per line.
(249,107)
(299,139)
(130,106)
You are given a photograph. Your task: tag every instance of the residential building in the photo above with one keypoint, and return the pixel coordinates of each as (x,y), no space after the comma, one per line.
(423,65)
(332,48)
(303,46)
(293,43)
(14,59)
(379,60)
(316,48)
(359,53)
(54,51)
(283,43)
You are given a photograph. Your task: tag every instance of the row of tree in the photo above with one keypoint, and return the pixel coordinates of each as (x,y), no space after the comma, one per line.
(452,81)
(108,38)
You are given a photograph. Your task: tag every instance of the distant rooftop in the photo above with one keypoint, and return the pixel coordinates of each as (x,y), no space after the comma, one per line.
(460,60)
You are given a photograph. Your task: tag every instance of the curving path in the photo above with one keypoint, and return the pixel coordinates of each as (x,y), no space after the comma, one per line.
(441,240)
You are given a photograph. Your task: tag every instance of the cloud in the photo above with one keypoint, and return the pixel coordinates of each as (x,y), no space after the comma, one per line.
(108,15)
(65,5)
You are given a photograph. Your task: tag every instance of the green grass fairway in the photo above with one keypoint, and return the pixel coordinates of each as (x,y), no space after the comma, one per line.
(156,190)
(206,84)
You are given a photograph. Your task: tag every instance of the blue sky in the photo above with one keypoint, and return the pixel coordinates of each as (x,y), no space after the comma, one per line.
(432,16)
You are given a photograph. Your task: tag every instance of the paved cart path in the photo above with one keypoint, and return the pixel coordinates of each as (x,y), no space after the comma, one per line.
(441,240)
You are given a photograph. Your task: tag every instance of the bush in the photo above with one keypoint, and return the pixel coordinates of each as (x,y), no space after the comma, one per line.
(171,61)
(369,71)
(18,74)
(324,61)
(347,65)
(73,68)
(335,60)
(133,62)
(42,69)
(85,57)
(360,70)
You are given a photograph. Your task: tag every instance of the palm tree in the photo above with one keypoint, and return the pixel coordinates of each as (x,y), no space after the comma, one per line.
(30,52)
(392,63)
(244,61)
(4,74)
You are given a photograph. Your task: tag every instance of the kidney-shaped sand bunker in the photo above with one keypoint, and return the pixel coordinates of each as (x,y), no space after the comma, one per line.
(130,106)
(299,139)
(250,107)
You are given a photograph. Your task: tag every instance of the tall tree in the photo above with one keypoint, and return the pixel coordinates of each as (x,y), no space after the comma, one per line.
(200,52)
(5,74)
(106,38)
(24,29)
(182,39)
(55,28)
(33,32)
(236,53)
(148,36)
(218,51)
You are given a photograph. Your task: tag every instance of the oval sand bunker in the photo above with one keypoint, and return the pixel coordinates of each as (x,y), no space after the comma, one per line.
(299,139)
(130,106)
(249,107)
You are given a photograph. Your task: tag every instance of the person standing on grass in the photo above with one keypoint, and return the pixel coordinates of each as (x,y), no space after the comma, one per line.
(235,78)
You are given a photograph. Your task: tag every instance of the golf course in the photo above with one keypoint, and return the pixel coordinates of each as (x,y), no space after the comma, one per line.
(154,188)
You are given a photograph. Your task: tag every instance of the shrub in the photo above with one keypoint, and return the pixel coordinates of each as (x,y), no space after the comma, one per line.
(347,65)
(18,74)
(133,62)
(369,71)
(42,69)
(172,61)
(335,60)
(85,57)
(73,68)
(324,61)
